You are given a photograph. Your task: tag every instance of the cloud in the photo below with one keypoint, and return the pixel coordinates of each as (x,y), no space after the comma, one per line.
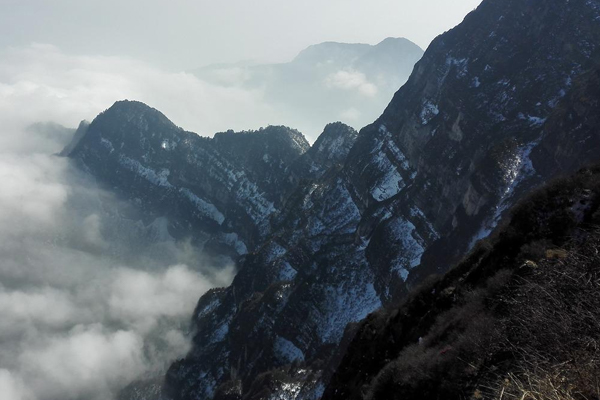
(89,300)
(12,388)
(352,80)
(230,76)
(40,307)
(30,190)
(84,311)
(87,362)
(41,81)
(141,298)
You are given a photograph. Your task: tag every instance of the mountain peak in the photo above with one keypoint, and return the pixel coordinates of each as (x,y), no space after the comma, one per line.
(351,52)
(335,142)
(399,42)
(290,143)
(136,112)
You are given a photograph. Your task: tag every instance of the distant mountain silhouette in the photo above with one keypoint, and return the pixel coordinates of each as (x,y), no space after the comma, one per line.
(326,82)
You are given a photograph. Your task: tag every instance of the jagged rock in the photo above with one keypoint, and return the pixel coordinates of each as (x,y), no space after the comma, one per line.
(435,172)
(331,233)
(497,323)
(220,191)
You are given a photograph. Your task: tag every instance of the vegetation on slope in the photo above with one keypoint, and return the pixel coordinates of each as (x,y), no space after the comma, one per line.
(519,318)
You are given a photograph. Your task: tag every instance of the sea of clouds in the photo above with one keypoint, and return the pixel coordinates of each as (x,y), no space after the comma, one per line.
(91,301)
(82,313)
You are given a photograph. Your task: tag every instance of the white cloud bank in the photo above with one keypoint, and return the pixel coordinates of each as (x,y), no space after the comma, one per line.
(352,80)
(74,321)
(82,312)
(42,80)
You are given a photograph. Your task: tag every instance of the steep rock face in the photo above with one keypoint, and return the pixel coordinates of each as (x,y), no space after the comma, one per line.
(436,171)
(576,116)
(330,149)
(221,191)
(458,136)
(290,301)
(516,315)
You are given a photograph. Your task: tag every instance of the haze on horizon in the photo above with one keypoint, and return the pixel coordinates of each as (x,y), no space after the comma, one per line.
(66,60)
(183,35)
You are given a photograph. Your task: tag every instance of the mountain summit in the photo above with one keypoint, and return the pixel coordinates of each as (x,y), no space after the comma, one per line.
(325,235)
(452,151)
(220,191)
(349,82)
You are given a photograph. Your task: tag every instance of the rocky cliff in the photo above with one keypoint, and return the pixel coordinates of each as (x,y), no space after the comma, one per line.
(517,318)
(327,235)
(220,191)
(453,150)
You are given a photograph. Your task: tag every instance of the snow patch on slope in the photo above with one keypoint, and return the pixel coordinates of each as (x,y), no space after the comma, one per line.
(287,391)
(337,213)
(107,143)
(428,112)
(350,300)
(389,185)
(517,169)
(286,351)
(232,239)
(259,208)
(286,272)
(404,233)
(392,182)
(206,209)
(156,178)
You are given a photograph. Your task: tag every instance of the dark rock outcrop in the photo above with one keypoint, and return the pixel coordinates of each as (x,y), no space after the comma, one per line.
(219,191)
(497,106)
(433,174)
(517,315)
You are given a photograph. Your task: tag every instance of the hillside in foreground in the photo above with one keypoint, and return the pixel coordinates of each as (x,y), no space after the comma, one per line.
(518,318)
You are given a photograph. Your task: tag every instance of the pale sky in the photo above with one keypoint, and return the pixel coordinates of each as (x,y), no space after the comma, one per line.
(184,34)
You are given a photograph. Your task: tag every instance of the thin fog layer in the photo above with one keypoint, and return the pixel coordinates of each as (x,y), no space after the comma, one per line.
(188,34)
(306,95)
(41,80)
(89,301)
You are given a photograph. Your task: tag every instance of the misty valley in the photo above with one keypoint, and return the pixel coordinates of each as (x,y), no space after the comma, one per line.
(354,221)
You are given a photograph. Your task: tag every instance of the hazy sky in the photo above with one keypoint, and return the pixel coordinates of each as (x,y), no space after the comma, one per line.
(183,34)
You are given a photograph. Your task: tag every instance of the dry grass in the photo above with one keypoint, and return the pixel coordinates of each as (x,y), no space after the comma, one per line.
(556,338)
(540,385)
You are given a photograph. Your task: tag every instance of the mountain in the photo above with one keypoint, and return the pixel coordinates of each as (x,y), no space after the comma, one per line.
(326,82)
(456,147)
(329,233)
(221,191)
(519,315)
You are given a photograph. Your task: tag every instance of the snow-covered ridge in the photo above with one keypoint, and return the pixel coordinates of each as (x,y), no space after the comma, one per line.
(388,157)
(195,179)
(206,208)
(159,178)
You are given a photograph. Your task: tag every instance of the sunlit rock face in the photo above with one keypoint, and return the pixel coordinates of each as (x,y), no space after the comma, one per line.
(329,233)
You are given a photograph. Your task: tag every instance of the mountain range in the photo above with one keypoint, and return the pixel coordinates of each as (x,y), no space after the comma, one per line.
(325,82)
(324,235)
